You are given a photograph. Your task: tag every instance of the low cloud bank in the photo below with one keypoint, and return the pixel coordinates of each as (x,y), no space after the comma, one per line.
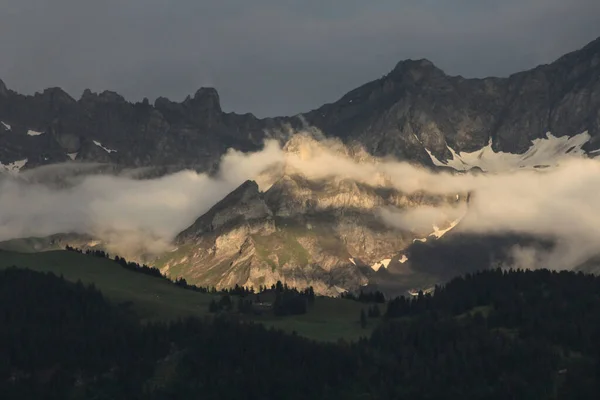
(126,213)
(561,202)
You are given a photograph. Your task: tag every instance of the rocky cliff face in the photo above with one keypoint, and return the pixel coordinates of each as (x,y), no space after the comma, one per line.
(324,233)
(52,127)
(413,108)
(417,106)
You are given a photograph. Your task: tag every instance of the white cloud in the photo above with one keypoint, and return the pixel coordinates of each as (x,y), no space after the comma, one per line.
(559,202)
(126,212)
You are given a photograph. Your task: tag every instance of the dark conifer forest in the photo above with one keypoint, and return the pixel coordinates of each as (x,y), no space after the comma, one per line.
(490,335)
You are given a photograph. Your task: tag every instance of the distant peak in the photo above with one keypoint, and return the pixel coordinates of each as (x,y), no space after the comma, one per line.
(588,54)
(245,191)
(415,69)
(162,102)
(112,96)
(206,98)
(249,184)
(105,96)
(206,92)
(411,64)
(57,93)
(593,45)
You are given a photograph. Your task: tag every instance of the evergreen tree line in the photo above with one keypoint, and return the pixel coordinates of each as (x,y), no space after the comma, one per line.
(365,297)
(372,312)
(491,335)
(287,300)
(132,266)
(154,272)
(291,301)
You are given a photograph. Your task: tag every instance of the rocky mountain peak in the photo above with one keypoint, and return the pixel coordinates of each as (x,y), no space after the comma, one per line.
(162,102)
(206,99)
(111,97)
(57,95)
(589,51)
(106,96)
(244,192)
(409,64)
(415,70)
(87,93)
(243,204)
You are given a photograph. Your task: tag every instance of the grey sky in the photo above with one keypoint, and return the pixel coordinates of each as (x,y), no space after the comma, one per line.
(273,57)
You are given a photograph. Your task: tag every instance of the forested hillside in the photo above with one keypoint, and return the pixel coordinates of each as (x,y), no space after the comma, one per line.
(491,335)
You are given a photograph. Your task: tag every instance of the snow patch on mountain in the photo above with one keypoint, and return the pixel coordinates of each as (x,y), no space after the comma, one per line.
(13,167)
(34,133)
(543,153)
(7,126)
(403,259)
(104,148)
(72,156)
(383,263)
(340,290)
(438,233)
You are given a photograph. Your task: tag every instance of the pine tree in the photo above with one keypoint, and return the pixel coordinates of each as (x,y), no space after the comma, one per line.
(374,311)
(311,295)
(363,319)
(225,302)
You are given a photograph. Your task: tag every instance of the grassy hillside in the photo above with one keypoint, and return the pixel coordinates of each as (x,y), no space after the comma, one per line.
(152,298)
(329,319)
(155,299)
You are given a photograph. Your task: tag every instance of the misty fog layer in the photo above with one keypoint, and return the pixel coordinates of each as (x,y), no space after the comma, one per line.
(144,214)
(559,202)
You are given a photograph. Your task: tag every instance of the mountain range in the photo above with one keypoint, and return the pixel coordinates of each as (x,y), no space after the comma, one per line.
(325,232)
(414,108)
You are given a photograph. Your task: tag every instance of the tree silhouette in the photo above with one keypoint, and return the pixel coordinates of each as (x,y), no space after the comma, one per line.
(363,319)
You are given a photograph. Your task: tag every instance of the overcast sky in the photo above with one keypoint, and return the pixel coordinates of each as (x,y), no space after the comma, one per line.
(274,57)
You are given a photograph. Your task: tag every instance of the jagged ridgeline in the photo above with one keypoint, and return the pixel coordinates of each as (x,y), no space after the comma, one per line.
(413,110)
